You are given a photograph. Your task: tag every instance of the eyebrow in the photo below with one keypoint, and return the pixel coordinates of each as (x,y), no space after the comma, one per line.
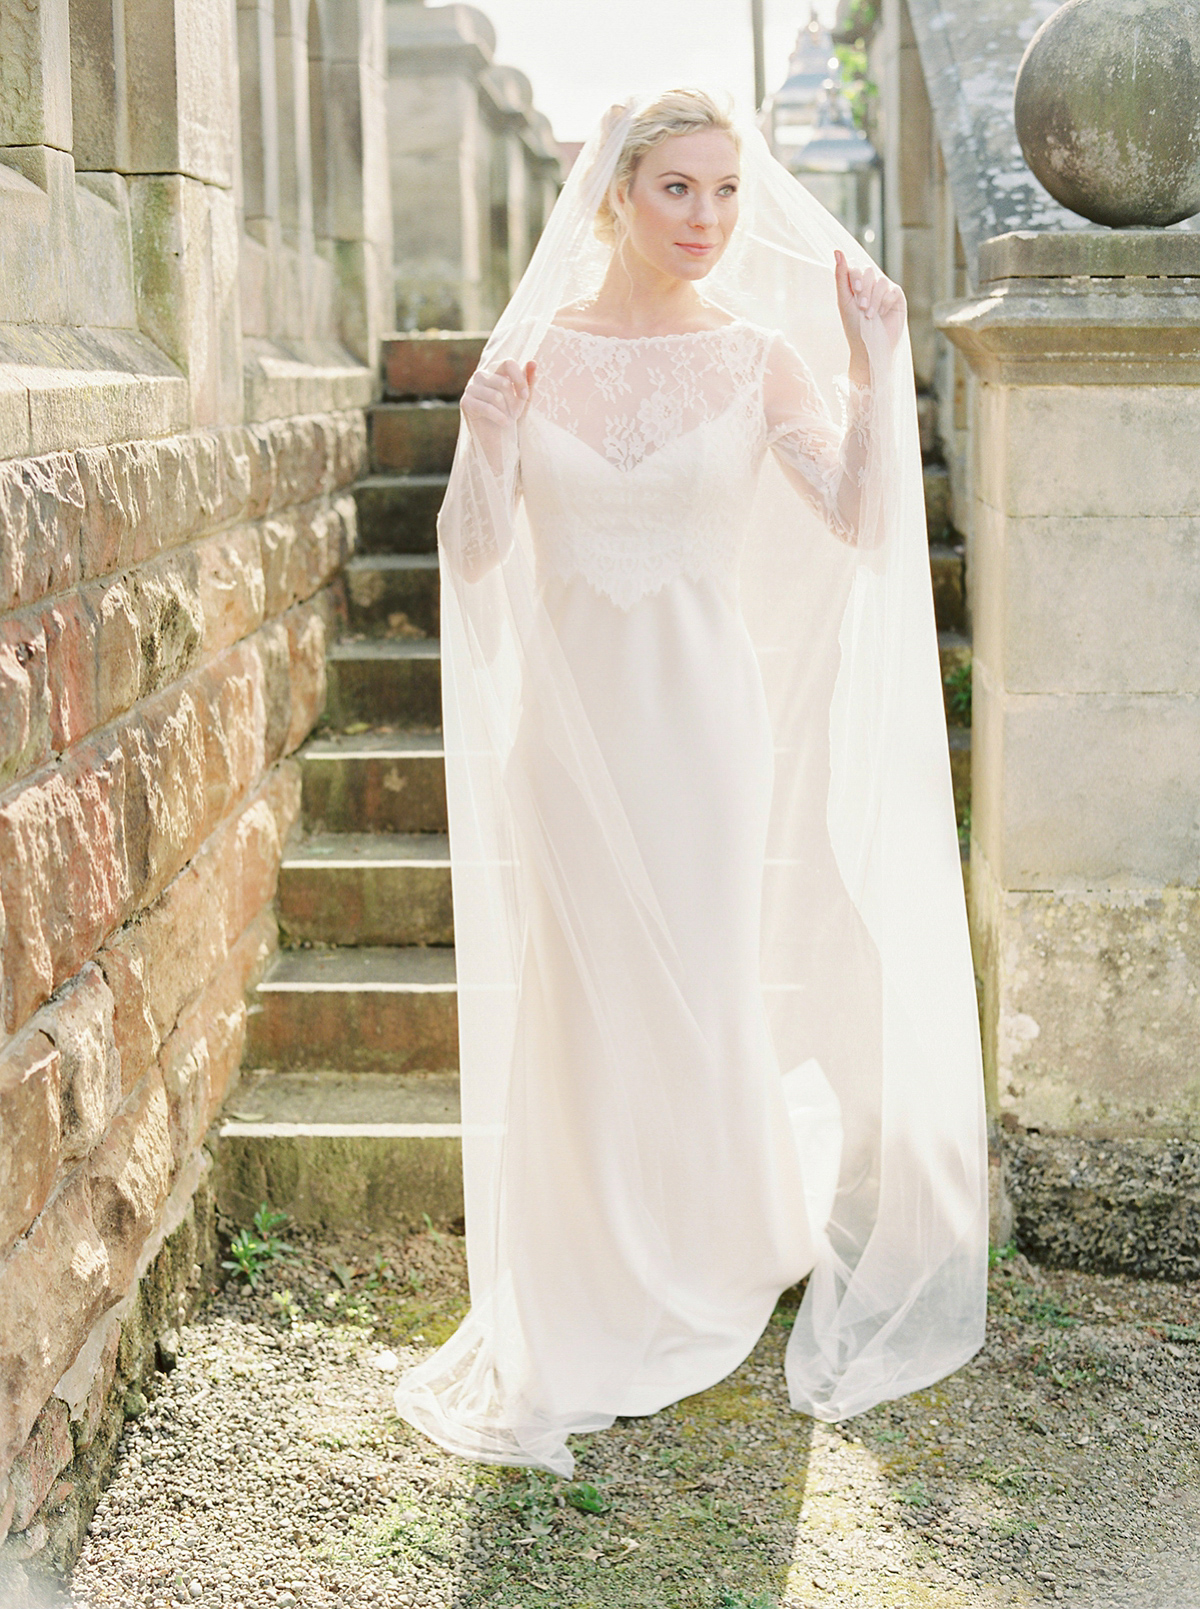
(674,173)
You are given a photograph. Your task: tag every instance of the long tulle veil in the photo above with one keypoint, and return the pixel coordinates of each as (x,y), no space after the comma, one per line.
(866,966)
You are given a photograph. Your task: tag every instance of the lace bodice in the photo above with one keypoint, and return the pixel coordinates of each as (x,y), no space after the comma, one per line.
(638,457)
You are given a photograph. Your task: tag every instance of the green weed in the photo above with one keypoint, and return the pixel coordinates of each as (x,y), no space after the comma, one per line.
(251,1250)
(957,683)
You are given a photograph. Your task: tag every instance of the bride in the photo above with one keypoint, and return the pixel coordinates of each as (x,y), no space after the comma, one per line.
(716,1004)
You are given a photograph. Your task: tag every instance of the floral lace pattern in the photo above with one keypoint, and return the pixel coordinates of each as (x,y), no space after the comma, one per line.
(639,456)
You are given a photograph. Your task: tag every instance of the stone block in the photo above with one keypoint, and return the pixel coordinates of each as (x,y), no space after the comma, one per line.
(239,865)
(277,538)
(166,600)
(29,1129)
(1112,1206)
(135,1033)
(43,1458)
(1086,789)
(111,512)
(64,873)
(129,1176)
(202,1054)
(1088,451)
(273,654)
(236,473)
(116,647)
(41,503)
(306,652)
(53,1286)
(181,112)
(26,709)
(230,587)
(35,75)
(89,1413)
(165,795)
(71,665)
(1091,1008)
(79,1021)
(258,443)
(282,791)
(185,236)
(175,944)
(1088,605)
(230,698)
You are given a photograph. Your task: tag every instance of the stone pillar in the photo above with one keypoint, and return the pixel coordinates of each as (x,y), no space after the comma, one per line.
(909,235)
(472,162)
(1085,839)
(439,149)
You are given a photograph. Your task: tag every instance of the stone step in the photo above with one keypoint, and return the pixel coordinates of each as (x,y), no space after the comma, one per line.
(949,586)
(367,888)
(342,1151)
(373,782)
(937,502)
(390,683)
(393,592)
(437,364)
(954,651)
(960,770)
(413,438)
(398,513)
(384,1009)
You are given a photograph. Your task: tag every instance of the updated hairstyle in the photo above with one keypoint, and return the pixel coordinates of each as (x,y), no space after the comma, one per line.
(679,111)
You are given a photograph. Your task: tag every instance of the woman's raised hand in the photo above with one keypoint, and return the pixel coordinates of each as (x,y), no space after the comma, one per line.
(493,400)
(864,294)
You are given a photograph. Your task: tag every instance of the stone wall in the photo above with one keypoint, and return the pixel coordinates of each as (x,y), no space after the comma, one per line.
(475,168)
(194,268)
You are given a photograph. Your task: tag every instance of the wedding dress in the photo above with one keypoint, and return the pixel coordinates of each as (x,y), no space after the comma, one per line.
(703,1054)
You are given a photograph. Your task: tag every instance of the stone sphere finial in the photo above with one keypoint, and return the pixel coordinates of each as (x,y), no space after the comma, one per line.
(1107,108)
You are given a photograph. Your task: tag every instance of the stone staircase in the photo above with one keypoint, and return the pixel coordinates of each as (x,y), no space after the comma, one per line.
(347,1112)
(348,1107)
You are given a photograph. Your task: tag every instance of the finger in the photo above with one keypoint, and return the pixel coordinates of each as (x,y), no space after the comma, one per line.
(496,388)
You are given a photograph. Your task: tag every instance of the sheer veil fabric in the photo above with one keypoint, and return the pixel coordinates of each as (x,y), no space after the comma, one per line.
(716,1005)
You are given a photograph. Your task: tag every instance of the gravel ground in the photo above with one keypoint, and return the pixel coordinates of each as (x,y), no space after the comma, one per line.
(268,1468)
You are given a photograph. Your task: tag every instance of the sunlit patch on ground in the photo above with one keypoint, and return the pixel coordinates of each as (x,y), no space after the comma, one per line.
(271,1471)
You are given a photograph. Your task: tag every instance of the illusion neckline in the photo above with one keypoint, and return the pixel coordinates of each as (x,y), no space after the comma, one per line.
(647,340)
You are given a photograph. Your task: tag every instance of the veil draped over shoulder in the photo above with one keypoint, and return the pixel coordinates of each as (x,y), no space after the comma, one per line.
(865,961)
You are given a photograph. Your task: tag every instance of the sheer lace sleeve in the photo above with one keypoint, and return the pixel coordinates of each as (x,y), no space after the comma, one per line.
(829,464)
(475,526)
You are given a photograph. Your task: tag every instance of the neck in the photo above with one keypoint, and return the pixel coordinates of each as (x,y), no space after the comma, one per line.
(639,297)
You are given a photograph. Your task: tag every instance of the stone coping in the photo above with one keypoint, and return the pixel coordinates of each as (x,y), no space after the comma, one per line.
(1090,253)
(64,388)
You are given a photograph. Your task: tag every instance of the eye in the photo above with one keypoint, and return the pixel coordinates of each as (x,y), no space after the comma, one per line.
(677,186)
(729,190)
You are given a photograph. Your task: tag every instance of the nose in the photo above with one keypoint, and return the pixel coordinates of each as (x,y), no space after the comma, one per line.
(704,214)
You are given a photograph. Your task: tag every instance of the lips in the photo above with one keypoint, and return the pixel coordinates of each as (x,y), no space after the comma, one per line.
(696,249)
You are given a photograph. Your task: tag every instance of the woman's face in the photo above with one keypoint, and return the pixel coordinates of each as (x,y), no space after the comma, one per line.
(682,203)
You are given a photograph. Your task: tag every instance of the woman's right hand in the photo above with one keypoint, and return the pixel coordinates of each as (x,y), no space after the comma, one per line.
(493,400)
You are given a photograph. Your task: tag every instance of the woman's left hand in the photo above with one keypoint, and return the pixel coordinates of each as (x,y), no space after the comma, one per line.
(865,295)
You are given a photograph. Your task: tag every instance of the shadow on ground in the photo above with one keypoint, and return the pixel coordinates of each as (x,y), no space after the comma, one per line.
(271,1472)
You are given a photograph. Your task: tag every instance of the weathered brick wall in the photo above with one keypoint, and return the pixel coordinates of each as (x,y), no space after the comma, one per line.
(165,606)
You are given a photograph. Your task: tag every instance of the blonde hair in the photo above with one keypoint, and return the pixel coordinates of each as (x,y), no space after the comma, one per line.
(679,111)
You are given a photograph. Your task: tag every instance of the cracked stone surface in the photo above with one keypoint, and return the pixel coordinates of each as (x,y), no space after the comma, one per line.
(269,1471)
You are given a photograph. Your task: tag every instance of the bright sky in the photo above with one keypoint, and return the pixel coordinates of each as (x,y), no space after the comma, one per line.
(582,55)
